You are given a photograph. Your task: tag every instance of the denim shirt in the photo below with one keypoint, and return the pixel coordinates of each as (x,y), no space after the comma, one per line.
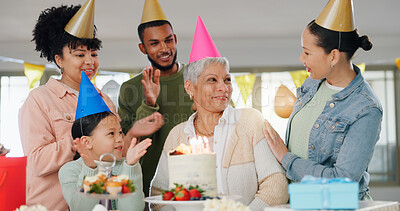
(343,138)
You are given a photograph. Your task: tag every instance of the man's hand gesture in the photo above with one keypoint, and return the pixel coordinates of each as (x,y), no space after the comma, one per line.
(151,88)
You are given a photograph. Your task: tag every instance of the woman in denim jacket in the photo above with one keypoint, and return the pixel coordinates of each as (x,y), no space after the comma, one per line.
(336,120)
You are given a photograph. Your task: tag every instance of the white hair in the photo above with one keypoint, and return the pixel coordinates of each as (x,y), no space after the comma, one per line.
(193,70)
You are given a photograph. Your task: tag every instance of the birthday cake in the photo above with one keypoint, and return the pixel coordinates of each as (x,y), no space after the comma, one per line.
(193,165)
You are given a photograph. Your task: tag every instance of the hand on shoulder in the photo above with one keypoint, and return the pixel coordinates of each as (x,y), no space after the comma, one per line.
(275,142)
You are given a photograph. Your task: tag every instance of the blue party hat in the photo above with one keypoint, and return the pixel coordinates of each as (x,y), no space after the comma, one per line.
(89,101)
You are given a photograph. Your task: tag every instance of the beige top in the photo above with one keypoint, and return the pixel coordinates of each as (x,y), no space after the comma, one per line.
(249,168)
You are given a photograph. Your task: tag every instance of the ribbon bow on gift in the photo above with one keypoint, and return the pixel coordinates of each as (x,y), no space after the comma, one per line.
(316,180)
(324,185)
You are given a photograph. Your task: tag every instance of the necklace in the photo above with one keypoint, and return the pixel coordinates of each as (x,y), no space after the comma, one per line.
(197,129)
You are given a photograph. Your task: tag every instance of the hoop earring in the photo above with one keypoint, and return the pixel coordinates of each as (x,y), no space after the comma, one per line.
(61,70)
(190,96)
(332,66)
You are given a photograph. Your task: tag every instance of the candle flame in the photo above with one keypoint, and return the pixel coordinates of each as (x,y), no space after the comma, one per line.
(197,145)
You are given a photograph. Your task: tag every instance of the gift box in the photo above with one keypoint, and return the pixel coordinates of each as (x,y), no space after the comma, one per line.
(322,193)
(12,182)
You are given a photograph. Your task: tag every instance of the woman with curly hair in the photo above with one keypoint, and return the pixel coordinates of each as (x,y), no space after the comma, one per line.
(46,117)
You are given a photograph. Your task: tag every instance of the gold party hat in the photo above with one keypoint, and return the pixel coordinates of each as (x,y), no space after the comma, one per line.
(337,16)
(152,11)
(82,24)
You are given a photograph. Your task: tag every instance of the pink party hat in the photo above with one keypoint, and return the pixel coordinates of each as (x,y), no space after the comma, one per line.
(203,46)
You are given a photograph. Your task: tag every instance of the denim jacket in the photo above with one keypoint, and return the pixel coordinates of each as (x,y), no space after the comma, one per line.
(343,138)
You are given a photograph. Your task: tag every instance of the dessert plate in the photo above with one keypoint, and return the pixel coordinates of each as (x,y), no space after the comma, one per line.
(195,205)
(106,196)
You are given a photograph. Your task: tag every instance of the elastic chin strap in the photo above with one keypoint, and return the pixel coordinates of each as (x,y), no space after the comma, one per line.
(80,123)
(340,40)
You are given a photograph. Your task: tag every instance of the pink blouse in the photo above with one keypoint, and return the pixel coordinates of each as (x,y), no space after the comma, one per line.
(45,122)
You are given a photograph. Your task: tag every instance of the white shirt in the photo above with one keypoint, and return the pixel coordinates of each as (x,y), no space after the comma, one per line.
(222,133)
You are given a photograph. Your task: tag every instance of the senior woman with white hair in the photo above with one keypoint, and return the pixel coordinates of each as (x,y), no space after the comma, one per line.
(245,164)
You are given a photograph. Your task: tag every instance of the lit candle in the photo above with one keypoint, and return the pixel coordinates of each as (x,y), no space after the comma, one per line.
(207,145)
(198,145)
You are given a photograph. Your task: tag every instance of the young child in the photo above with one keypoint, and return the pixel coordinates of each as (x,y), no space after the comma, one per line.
(96,130)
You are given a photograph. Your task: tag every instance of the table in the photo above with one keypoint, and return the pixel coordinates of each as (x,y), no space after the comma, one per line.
(362,206)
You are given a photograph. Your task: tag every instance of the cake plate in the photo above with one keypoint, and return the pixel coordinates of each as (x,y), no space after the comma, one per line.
(195,205)
(107,169)
(106,196)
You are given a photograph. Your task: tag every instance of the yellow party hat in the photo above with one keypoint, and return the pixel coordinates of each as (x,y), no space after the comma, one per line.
(152,12)
(337,16)
(82,24)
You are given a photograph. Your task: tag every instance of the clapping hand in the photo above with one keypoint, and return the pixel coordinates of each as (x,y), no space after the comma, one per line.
(151,88)
(87,155)
(275,142)
(147,125)
(137,150)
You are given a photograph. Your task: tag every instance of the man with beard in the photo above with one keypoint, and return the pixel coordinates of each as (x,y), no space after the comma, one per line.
(159,88)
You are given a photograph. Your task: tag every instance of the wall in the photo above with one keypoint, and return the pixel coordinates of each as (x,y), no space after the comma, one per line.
(385,193)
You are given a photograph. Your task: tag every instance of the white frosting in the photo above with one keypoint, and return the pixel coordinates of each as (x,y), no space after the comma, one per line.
(122,177)
(86,188)
(100,175)
(113,190)
(224,205)
(91,179)
(31,208)
(119,178)
(194,169)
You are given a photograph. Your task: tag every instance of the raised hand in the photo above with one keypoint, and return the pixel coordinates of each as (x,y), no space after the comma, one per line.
(147,125)
(275,142)
(87,155)
(151,88)
(137,150)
